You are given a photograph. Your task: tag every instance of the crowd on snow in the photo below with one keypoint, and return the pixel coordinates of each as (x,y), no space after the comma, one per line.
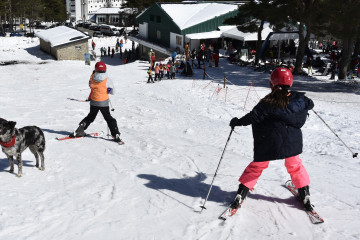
(126,55)
(325,61)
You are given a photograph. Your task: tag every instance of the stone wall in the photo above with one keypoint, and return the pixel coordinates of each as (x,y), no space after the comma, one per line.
(45,46)
(71,51)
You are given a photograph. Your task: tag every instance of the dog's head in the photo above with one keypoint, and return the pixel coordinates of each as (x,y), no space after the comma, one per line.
(7,130)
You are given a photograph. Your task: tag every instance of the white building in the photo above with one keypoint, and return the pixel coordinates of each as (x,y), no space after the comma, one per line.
(82,10)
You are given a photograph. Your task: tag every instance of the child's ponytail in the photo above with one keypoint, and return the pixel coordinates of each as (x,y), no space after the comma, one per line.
(278,97)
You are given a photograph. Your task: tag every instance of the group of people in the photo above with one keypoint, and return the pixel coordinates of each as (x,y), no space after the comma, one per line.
(205,55)
(276,124)
(160,70)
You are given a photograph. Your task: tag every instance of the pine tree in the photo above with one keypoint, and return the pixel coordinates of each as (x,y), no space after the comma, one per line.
(252,17)
(344,24)
(308,16)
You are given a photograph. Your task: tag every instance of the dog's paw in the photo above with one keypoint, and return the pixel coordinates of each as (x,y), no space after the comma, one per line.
(19,175)
(11,171)
(42,168)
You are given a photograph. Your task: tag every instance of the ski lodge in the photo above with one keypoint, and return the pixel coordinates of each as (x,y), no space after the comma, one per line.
(163,26)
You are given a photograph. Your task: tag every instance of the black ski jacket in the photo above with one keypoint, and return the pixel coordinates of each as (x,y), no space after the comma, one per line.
(277,132)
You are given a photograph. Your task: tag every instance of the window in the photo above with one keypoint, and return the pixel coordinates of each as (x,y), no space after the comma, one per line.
(158,19)
(101,19)
(158,34)
(152,17)
(114,19)
(179,40)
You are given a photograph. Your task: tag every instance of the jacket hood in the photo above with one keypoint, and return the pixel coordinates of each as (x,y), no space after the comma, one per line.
(99,77)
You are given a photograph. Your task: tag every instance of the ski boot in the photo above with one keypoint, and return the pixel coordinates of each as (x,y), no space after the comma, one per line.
(118,139)
(79,132)
(304,195)
(241,194)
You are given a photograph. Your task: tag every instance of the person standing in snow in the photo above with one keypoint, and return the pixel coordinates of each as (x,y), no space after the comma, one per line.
(173,56)
(276,124)
(310,63)
(152,63)
(150,53)
(101,86)
(157,72)
(149,72)
(121,45)
(172,71)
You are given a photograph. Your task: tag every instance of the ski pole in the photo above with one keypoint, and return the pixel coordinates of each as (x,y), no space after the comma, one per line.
(354,154)
(112,109)
(222,155)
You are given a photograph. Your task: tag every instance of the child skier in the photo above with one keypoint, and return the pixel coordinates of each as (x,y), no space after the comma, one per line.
(149,72)
(101,86)
(157,72)
(276,124)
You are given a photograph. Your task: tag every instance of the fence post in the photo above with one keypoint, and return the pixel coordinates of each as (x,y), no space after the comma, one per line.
(224,80)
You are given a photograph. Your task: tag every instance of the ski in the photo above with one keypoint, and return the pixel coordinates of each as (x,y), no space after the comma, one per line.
(121,141)
(229,212)
(95,134)
(77,100)
(313,215)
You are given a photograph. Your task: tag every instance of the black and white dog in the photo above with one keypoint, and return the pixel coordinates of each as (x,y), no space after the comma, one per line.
(14,141)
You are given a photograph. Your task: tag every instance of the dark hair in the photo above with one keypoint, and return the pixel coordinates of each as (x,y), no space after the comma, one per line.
(278,97)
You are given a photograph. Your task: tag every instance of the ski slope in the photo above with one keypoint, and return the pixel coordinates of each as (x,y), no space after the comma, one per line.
(174,131)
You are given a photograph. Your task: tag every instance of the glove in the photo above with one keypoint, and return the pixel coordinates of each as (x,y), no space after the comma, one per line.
(109,90)
(233,122)
(237,122)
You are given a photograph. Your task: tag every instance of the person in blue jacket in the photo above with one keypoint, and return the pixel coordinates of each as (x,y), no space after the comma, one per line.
(276,124)
(173,56)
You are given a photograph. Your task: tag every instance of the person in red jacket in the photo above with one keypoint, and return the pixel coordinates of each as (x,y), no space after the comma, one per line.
(101,86)
(276,124)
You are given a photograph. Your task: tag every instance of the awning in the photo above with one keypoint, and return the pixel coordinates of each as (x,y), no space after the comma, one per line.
(204,35)
(154,46)
(234,33)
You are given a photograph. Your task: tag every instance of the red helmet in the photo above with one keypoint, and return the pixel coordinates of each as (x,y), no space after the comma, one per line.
(281,76)
(100,67)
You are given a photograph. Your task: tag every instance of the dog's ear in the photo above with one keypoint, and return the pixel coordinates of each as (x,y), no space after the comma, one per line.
(12,124)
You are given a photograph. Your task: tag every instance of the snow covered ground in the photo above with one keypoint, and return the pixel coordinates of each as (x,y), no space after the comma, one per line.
(175,131)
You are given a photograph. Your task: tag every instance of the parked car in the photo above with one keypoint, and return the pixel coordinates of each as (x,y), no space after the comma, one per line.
(15,34)
(69,24)
(109,30)
(86,25)
(30,34)
(97,34)
(133,32)
(116,31)
(94,27)
(79,25)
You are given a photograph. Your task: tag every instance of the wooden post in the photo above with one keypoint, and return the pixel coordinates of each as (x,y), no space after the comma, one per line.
(224,81)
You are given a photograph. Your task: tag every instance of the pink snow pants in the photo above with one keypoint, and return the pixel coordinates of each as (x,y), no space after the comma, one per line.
(294,166)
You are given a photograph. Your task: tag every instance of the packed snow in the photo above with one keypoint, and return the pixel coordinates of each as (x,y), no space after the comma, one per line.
(174,132)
